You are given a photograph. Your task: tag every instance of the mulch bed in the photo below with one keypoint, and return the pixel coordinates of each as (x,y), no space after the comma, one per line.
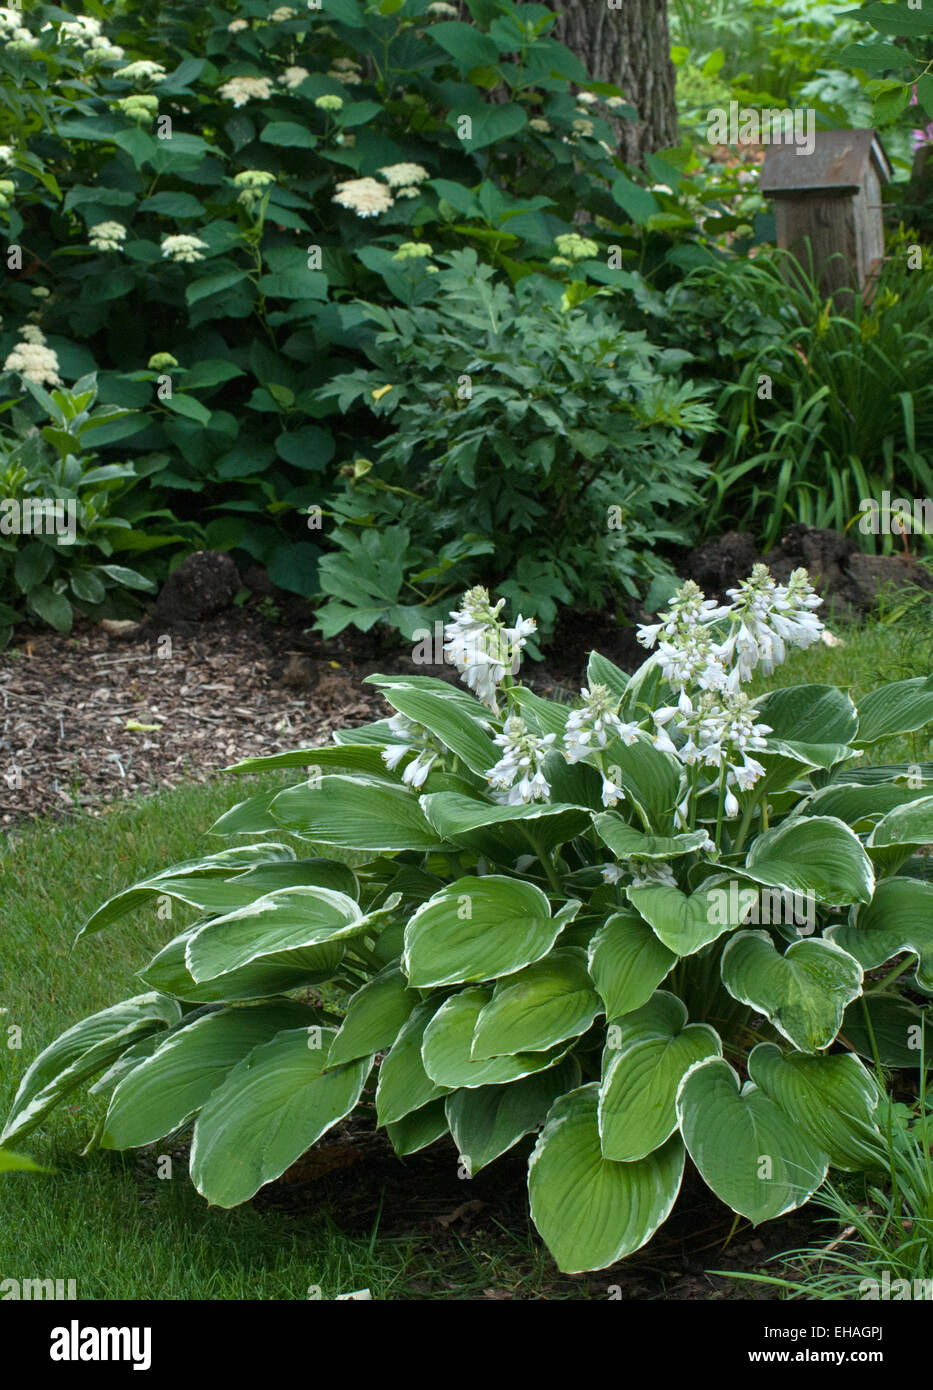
(231,688)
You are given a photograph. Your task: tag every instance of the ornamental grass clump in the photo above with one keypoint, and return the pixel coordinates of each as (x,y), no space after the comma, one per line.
(636,929)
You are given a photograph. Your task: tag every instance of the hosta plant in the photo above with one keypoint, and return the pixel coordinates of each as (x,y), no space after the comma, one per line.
(636,928)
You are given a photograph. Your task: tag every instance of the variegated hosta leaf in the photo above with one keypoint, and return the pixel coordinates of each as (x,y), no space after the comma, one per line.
(685,923)
(190,876)
(642,1069)
(487,1120)
(478,929)
(404,1085)
(896,834)
(261,979)
(167,1088)
(753,1155)
(627,962)
(374,1016)
(813,854)
(502,832)
(80,1052)
(898,918)
(899,708)
(831,1098)
(289,920)
(270,1108)
(810,714)
(457,730)
(589,1210)
(448,1039)
(356,813)
(627,842)
(418,1129)
(538,1007)
(804,992)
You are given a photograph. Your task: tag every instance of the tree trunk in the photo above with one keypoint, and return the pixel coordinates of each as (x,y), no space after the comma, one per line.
(629,46)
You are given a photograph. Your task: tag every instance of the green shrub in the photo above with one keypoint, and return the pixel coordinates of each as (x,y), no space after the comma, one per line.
(528,426)
(527,878)
(68,522)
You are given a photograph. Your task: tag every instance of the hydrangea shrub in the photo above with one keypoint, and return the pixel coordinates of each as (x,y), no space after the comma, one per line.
(637,929)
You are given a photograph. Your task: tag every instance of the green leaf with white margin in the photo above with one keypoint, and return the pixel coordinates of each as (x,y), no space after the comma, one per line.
(81,1051)
(817,714)
(404,1085)
(356,813)
(478,928)
(458,818)
(456,730)
(804,992)
(645,774)
(899,708)
(222,865)
(261,979)
(249,817)
(752,1155)
(419,1129)
(363,757)
(627,962)
(374,1016)
(166,1089)
(589,1210)
(269,1110)
(448,1038)
(626,842)
(486,1121)
(686,923)
(638,1092)
(860,806)
(898,918)
(910,824)
(813,854)
(290,920)
(831,1098)
(538,1007)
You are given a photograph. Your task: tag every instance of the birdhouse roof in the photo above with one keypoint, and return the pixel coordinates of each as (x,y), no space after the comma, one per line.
(839,163)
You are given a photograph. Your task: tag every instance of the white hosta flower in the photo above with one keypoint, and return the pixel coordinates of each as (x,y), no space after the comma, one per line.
(590,728)
(293,77)
(482,648)
(771,617)
(34,361)
(365,197)
(613,873)
(413,738)
(403,175)
(184,248)
(143,70)
(612,792)
(650,872)
(518,777)
(107,236)
(240,90)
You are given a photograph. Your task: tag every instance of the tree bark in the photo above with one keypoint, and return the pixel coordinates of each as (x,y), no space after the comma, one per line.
(629,46)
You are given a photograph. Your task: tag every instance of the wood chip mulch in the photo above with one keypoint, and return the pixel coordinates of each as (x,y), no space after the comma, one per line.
(232,688)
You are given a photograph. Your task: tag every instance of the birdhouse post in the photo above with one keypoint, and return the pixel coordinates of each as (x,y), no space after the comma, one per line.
(831,198)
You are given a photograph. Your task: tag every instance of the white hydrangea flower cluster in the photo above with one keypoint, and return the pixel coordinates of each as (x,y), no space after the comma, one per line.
(282,13)
(107,236)
(142,70)
(366,197)
(347,71)
(518,776)
(240,90)
(183,248)
(33,359)
(141,107)
(292,77)
(481,647)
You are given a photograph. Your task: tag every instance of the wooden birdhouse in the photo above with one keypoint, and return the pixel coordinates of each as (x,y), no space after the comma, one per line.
(830,197)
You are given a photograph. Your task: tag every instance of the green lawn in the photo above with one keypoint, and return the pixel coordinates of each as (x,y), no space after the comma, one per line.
(106,1219)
